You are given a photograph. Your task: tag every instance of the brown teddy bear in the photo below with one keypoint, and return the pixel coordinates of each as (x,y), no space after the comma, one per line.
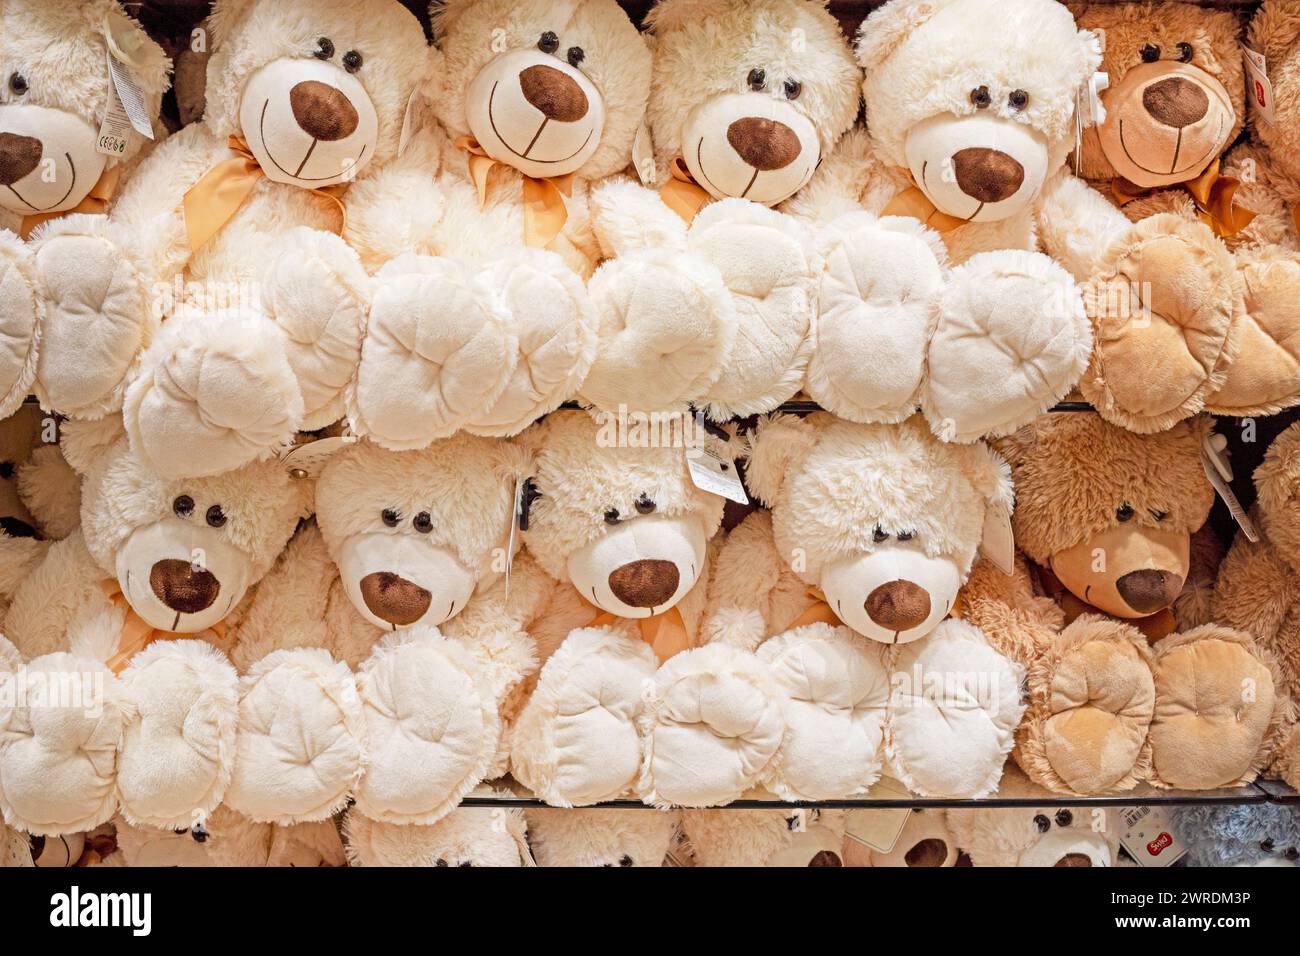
(1127,680)
(1258,589)
(1218,327)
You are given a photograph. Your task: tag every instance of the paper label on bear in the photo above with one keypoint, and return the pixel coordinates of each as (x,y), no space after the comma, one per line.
(129,96)
(516,515)
(998,543)
(1258,89)
(1215,468)
(308,459)
(1149,836)
(880,829)
(714,472)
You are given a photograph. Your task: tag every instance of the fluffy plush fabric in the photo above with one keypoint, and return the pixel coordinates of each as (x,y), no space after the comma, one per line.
(1248,835)
(765,837)
(227,839)
(479,836)
(613,838)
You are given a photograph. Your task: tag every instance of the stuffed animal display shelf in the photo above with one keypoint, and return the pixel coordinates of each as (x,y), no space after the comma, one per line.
(370,407)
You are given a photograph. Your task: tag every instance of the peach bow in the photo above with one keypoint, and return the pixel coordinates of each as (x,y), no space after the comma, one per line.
(1212,194)
(682,194)
(665,633)
(137,633)
(544,210)
(95,203)
(211,202)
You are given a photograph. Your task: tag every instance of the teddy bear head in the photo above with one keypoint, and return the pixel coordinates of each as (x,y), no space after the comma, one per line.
(415,534)
(468,836)
(884,520)
(625,525)
(1277,487)
(975,98)
(749,96)
(602,837)
(1176,97)
(1111,513)
(1275,32)
(317,91)
(1240,835)
(183,552)
(54,93)
(765,837)
(548,88)
(227,838)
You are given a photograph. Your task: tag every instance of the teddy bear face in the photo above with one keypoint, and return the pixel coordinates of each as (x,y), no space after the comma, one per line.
(1036,836)
(184,552)
(414,534)
(54,89)
(975,97)
(1241,835)
(1111,513)
(600,838)
(548,88)
(317,92)
(469,836)
(1176,96)
(749,95)
(784,838)
(884,519)
(626,526)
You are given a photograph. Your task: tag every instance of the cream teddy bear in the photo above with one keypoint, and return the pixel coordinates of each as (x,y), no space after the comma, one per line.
(130,700)
(840,599)
(377,654)
(482,320)
(602,837)
(227,839)
(708,294)
(54,167)
(237,311)
(467,836)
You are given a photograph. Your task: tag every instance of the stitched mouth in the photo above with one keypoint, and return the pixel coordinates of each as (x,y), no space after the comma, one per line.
(925,188)
(261,132)
(533,142)
(58,202)
(1214,148)
(699,162)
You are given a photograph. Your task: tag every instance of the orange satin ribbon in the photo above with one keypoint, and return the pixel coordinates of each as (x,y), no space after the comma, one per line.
(913,202)
(137,633)
(95,203)
(665,633)
(544,210)
(211,202)
(1211,193)
(682,194)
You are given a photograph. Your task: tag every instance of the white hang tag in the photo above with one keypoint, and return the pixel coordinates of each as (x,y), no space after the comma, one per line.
(880,829)
(643,156)
(515,514)
(407,122)
(716,473)
(308,459)
(1258,88)
(115,132)
(1149,837)
(998,543)
(129,97)
(1219,473)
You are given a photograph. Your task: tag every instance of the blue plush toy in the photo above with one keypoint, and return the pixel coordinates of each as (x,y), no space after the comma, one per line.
(1240,834)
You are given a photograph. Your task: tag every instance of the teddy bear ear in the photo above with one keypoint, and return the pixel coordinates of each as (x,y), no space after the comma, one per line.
(887,27)
(84,444)
(989,473)
(1275,30)
(1277,479)
(668,15)
(776,448)
(517,827)
(225,15)
(129,42)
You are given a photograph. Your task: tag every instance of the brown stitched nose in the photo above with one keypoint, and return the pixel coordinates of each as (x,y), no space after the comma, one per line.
(394,599)
(988,175)
(645,583)
(826,858)
(1148,591)
(18,157)
(1176,101)
(763,143)
(183,587)
(322,111)
(556,94)
(931,852)
(1073,859)
(898,605)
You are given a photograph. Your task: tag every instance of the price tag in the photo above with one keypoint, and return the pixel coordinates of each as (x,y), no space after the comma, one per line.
(1258,88)
(1149,837)
(714,472)
(129,97)
(1219,472)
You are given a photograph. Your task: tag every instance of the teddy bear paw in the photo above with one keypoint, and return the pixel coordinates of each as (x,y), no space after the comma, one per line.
(711,726)
(178,745)
(1162,302)
(1091,701)
(438,350)
(431,728)
(1012,338)
(58,745)
(298,749)
(835,691)
(576,740)
(953,711)
(769,265)
(665,325)
(20,322)
(1216,710)
(216,392)
(97,318)
(317,292)
(553,322)
(875,315)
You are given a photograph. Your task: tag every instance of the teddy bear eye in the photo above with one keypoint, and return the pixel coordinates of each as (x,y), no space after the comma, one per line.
(1124,512)
(1150,53)
(1159,515)
(757,79)
(215,516)
(624,860)
(879,535)
(549,42)
(612,516)
(1042,823)
(980,97)
(792,89)
(1292,854)
(1266,846)
(390,517)
(1064,818)
(1018,99)
(422,522)
(324,48)
(183,506)
(352,61)
(440,862)
(198,833)
(18,83)
(1185,52)
(466,863)
(576,55)
(645,504)
(906,535)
